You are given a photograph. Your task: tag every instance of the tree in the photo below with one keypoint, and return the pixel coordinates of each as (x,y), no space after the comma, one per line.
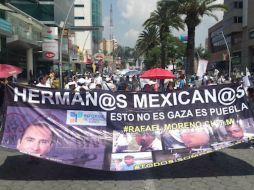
(194,10)
(175,50)
(147,40)
(152,59)
(164,19)
(201,53)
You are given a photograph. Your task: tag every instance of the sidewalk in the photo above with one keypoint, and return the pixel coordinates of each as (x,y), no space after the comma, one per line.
(231,169)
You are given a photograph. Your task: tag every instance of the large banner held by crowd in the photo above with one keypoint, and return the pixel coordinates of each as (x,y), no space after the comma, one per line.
(123,131)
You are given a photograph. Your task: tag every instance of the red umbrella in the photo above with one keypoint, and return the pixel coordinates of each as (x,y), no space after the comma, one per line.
(158,73)
(9,70)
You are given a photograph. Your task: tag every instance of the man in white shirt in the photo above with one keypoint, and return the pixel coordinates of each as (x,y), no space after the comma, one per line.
(98,78)
(43,82)
(148,141)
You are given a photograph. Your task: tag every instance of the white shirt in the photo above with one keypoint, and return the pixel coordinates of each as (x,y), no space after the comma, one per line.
(98,80)
(43,85)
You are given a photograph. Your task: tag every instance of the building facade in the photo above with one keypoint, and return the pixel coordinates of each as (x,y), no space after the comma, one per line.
(82,15)
(108,46)
(5,31)
(23,44)
(217,48)
(238,27)
(96,21)
(49,13)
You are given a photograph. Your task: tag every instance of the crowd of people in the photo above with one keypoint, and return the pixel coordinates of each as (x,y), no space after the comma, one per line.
(91,81)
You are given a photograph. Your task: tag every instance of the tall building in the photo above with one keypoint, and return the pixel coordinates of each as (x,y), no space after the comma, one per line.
(83,17)
(49,12)
(23,44)
(217,48)
(108,46)
(238,27)
(5,31)
(96,21)
(53,14)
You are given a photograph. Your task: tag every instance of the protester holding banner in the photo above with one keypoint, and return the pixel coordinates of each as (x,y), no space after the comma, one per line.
(37,139)
(43,82)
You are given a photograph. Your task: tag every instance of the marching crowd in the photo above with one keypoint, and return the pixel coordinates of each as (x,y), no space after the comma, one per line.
(90,81)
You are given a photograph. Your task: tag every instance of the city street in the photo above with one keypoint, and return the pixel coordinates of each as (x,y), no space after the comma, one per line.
(106,89)
(230,169)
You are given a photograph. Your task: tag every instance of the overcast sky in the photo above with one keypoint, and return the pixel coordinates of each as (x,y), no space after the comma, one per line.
(129,15)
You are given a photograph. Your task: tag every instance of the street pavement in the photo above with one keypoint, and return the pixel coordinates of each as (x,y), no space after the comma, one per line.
(230,169)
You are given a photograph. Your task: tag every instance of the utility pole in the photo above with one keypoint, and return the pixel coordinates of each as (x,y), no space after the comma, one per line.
(61,44)
(111,36)
(229,55)
(111,23)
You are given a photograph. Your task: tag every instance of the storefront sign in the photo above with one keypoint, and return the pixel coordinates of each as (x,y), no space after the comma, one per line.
(50,50)
(50,33)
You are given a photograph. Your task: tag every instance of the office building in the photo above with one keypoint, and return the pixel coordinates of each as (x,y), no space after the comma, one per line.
(238,27)
(96,21)
(51,13)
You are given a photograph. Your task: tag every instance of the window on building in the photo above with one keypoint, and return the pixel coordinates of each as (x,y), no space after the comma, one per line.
(79,18)
(238,4)
(238,19)
(79,5)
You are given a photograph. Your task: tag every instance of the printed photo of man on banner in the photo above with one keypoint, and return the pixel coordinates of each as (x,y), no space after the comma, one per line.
(192,140)
(237,130)
(130,161)
(43,135)
(136,142)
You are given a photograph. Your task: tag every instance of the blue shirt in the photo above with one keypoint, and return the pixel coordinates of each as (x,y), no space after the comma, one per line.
(126,167)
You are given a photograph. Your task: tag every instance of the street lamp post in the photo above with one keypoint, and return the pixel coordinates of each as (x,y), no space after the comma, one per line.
(229,55)
(61,44)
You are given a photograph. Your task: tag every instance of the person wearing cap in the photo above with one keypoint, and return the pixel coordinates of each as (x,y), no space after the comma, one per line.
(109,85)
(98,78)
(92,84)
(72,85)
(81,85)
(129,163)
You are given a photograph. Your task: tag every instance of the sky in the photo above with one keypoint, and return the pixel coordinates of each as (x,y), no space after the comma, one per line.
(129,16)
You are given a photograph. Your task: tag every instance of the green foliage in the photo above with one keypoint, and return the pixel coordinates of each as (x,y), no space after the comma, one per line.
(201,53)
(168,15)
(152,58)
